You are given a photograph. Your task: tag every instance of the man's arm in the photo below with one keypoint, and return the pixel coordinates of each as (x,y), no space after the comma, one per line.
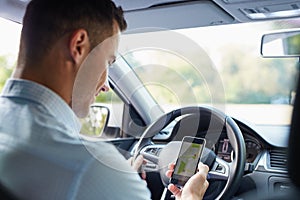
(109,176)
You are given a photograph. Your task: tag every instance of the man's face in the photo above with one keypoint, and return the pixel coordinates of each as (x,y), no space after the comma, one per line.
(92,75)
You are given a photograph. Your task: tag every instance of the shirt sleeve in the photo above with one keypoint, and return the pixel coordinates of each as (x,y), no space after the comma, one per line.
(109,176)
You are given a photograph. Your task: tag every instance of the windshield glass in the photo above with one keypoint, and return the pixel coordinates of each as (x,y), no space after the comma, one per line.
(218,65)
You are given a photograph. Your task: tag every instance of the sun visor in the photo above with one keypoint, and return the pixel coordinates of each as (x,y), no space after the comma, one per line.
(13,9)
(131,5)
(165,16)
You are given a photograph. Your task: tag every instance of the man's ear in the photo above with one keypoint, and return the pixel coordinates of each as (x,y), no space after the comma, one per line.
(79,45)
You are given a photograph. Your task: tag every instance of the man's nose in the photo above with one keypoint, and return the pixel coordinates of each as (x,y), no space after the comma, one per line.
(105,87)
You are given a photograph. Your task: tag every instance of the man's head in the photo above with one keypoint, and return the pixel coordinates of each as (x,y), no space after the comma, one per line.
(46,21)
(68,43)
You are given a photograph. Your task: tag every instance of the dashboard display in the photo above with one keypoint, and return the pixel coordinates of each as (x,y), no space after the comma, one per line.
(253,148)
(225,150)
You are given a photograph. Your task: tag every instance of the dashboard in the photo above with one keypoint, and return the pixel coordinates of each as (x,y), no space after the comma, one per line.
(255,143)
(266,153)
(225,151)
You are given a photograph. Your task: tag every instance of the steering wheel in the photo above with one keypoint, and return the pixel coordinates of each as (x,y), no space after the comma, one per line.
(160,156)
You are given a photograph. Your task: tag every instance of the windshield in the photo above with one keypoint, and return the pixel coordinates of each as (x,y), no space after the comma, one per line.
(218,65)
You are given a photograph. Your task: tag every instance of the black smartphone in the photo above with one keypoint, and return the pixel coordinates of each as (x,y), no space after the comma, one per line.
(188,158)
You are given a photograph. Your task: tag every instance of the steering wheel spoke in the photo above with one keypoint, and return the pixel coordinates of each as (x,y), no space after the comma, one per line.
(151,152)
(220,170)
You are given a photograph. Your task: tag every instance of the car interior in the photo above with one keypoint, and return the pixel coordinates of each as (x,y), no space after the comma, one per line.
(246,160)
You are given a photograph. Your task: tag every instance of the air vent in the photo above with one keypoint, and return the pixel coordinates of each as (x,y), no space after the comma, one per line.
(278,158)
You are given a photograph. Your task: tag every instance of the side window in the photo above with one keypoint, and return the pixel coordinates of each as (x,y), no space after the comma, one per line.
(111,100)
(9,47)
(5,70)
(105,117)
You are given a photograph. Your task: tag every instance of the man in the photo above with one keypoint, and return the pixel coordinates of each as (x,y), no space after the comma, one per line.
(65,49)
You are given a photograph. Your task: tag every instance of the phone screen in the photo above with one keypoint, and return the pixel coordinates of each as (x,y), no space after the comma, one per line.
(187,161)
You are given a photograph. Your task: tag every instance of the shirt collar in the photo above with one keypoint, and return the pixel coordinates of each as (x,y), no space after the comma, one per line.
(42,95)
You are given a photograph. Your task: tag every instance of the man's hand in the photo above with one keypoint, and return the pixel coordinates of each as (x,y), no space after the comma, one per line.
(194,188)
(137,165)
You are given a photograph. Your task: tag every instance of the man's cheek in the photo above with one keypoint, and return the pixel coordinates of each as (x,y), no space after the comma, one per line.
(103,78)
(85,85)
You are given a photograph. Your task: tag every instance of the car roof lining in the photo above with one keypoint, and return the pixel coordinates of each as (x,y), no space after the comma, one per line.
(195,13)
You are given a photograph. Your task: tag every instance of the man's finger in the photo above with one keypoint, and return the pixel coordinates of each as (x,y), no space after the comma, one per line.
(171,166)
(143,175)
(138,162)
(175,190)
(202,168)
(169,173)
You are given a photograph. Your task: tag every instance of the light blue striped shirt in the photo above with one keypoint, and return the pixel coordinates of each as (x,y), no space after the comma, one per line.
(43,157)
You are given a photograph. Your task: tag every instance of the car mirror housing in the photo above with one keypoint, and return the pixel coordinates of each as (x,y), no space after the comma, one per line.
(285,43)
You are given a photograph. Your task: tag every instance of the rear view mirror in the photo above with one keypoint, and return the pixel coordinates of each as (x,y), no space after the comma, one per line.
(94,124)
(281,44)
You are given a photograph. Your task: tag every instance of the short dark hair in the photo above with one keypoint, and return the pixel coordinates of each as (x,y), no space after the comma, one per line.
(45,21)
